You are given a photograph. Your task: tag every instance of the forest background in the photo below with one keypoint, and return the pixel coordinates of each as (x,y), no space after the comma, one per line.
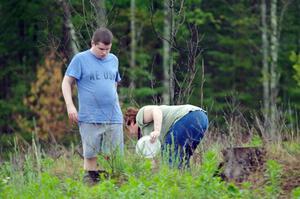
(233,58)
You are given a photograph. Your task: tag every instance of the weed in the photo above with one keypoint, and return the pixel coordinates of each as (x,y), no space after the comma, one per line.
(296,193)
(38,175)
(274,172)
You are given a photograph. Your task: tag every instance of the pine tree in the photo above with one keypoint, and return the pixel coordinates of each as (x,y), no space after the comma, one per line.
(46,102)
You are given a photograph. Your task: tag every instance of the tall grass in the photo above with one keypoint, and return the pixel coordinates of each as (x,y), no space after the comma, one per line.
(273,173)
(33,172)
(39,176)
(42,176)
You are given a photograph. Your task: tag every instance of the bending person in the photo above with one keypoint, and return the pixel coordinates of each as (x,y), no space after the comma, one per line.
(179,128)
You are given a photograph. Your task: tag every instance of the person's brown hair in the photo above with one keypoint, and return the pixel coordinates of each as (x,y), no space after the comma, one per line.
(102,35)
(130,115)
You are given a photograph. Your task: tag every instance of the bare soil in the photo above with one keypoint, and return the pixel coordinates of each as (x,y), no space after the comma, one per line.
(242,164)
(290,176)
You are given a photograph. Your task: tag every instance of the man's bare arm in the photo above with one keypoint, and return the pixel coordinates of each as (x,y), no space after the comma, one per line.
(67,93)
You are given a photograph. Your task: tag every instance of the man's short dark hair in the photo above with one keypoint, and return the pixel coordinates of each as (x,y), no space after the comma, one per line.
(102,35)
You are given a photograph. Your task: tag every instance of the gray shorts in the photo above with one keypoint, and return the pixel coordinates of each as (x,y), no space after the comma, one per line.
(104,138)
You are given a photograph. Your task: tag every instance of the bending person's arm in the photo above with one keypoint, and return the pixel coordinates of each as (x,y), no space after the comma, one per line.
(153,114)
(67,93)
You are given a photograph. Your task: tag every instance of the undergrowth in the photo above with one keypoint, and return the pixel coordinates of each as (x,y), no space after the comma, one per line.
(37,175)
(34,173)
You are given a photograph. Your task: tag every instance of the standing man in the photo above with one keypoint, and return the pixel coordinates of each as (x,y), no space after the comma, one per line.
(100,119)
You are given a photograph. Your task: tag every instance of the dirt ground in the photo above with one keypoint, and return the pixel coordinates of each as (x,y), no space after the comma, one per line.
(290,176)
(237,168)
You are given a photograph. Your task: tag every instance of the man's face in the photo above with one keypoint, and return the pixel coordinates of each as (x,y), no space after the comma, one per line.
(101,50)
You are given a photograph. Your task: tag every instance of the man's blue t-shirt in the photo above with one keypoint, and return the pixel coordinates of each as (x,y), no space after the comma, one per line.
(96,82)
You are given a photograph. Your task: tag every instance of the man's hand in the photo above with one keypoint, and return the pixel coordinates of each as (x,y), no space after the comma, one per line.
(154,136)
(72,113)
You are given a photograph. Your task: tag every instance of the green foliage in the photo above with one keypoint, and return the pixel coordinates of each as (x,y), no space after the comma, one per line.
(130,177)
(140,182)
(230,37)
(25,31)
(230,47)
(296,60)
(230,40)
(296,193)
(256,141)
(274,172)
(292,148)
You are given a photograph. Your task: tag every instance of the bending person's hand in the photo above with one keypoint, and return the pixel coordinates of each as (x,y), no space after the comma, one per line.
(154,136)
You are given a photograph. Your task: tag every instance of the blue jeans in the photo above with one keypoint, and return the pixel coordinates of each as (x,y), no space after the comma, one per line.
(184,136)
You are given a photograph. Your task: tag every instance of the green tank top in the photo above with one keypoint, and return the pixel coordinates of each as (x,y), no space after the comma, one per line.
(170,114)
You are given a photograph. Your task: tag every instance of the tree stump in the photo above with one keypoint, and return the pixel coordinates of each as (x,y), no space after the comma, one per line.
(240,162)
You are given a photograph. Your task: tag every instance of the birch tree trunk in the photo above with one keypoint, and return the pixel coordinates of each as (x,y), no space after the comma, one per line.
(174,17)
(133,42)
(273,66)
(265,68)
(172,36)
(166,53)
(100,12)
(70,39)
(270,48)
